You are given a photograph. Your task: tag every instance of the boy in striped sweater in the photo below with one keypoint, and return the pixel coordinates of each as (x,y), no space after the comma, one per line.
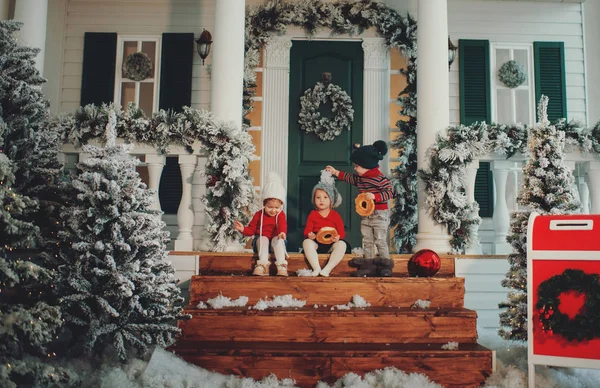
(370,180)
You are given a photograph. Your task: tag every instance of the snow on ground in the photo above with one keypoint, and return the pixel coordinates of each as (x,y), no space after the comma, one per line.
(166,370)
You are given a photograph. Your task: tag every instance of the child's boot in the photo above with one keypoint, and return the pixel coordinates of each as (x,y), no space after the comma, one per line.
(282,269)
(261,270)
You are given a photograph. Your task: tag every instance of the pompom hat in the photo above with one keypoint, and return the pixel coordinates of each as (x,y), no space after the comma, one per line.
(369,156)
(327,184)
(273,188)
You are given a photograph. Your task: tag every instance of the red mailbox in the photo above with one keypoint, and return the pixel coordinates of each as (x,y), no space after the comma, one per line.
(563,260)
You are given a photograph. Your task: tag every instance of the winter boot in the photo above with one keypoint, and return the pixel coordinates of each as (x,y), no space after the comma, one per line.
(282,270)
(261,270)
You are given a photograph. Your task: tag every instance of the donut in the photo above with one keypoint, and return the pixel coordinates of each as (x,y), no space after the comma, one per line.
(364,207)
(326,235)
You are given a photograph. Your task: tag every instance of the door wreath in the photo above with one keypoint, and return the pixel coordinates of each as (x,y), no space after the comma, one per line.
(137,66)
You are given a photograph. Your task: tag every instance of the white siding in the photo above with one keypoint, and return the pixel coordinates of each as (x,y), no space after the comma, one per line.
(132,17)
(591,11)
(483,290)
(522,22)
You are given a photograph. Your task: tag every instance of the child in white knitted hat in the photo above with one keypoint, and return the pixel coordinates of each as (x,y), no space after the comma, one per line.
(269,225)
(325,197)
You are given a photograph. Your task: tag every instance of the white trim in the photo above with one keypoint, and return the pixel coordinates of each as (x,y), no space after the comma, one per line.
(585,70)
(560,255)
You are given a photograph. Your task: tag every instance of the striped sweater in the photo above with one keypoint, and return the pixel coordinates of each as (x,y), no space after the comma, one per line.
(372,181)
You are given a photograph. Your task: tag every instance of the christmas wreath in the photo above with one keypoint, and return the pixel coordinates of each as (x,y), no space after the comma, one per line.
(583,326)
(310,118)
(512,74)
(137,66)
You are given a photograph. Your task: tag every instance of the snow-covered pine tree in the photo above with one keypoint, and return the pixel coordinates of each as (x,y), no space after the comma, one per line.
(547,185)
(27,323)
(117,289)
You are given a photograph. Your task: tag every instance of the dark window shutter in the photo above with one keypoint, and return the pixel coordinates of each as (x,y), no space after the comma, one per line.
(176,71)
(474,83)
(550,79)
(484,190)
(170,188)
(98,73)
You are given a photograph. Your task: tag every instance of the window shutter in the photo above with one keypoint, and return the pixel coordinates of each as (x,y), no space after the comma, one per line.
(474,83)
(484,190)
(98,73)
(170,187)
(176,71)
(550,78)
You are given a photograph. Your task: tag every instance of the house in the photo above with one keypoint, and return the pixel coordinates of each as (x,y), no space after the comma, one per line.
(84,43)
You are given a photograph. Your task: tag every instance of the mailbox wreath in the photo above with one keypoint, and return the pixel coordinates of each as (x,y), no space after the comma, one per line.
(584,326)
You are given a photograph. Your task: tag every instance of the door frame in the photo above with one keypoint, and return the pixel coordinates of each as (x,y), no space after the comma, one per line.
(275,100)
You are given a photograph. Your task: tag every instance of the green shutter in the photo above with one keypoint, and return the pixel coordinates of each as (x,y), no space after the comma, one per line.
(474,74)
(484,190)
(176,71)
(98,72)
(550,78)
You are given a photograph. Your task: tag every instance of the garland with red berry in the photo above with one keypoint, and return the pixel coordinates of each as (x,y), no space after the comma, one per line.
(584,326)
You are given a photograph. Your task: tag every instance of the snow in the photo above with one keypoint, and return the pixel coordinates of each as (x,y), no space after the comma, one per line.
(279,301)
(221,301)
(422,304)
(304,272)
(357,302)
(452,345)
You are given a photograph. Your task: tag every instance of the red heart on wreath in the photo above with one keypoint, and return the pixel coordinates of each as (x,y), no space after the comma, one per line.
(571,303)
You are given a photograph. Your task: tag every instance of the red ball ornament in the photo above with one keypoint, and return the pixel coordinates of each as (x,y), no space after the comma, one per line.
(424,263)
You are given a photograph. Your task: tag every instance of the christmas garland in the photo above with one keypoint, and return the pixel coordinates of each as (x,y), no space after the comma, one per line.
(310,119)
(584,326)
(512,74)
(352,17)
(137,66)
(230,191)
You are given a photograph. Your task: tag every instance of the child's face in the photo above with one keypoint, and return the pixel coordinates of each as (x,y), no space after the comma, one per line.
(272,206)
(359,169)
(322,200)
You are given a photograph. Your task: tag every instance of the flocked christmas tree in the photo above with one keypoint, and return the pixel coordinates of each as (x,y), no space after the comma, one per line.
(117,289)
(547,189)
(27,322)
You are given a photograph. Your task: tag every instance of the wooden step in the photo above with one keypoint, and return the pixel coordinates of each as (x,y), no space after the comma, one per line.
(309,324)
(228,263)
(307,363)
(394,292)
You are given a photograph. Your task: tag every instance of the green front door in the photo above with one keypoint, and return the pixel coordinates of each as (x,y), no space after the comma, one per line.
(307,154)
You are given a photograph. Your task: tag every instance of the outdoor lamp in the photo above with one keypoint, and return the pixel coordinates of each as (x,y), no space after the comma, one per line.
(451,52)
(203,44)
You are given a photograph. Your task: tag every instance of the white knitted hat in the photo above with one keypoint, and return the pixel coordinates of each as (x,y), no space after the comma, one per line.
(273,188)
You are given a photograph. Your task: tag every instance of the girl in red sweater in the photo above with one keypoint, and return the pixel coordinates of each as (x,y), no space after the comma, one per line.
(324,197)
(269,225)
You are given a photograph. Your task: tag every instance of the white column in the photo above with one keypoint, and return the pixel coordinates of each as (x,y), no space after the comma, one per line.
(185,212)
(34,14)
(433,106)
(584,195)
(276,93)
(501,218)
(198,191)
(4,9)
(593,181)
(227,75)
(155,164)
(376,92)
(471,175)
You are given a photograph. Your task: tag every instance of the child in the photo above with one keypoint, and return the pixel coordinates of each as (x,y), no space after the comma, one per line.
(370,180)
(324,197)
(269,224)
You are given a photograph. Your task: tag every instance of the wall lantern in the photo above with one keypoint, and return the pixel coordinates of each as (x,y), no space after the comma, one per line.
(451,52)
(203,44)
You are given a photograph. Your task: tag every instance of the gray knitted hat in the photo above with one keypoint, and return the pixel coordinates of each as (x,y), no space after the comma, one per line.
(327,184)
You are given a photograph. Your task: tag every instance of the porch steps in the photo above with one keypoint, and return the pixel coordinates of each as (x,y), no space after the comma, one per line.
(323,342)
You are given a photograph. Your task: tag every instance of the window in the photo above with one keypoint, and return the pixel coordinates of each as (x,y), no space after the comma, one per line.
(143,93)
(516,105)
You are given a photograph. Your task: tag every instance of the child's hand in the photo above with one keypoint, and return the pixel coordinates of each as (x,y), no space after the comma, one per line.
(238,226)
(281,236)
(331,170)
(370,196)
(312,236)
(336,238)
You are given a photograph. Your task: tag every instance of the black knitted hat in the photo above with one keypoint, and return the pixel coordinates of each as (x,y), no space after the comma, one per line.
(369,156)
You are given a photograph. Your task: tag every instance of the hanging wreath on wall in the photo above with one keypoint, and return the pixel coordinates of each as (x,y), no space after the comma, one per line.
(310,119)
(512,74)
(585,324)
(137,66)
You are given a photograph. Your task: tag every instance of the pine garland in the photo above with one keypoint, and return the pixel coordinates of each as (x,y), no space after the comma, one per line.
(230,195)
(310,119)
(352,17)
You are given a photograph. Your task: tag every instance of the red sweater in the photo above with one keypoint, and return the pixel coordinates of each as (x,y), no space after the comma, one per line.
(373,181)
(315,222)
(271,226)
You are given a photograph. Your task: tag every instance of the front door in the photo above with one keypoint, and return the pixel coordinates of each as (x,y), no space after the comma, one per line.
(307,154)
